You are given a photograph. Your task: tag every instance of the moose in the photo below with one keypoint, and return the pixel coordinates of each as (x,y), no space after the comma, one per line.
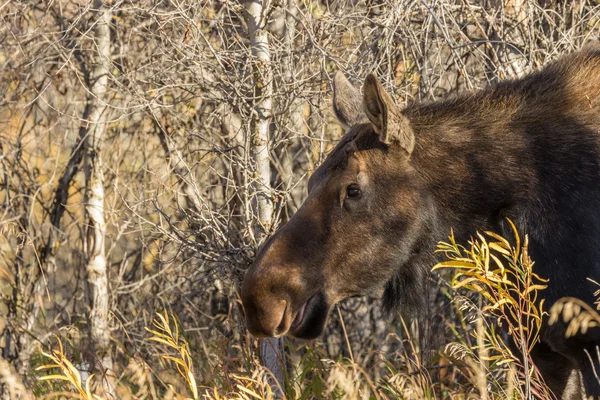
(400,180)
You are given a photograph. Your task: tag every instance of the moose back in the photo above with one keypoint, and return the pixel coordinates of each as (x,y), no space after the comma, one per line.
(400,180)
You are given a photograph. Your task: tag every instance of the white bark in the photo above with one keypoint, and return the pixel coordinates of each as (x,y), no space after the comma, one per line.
(96,268)
(271,350)
(263,93)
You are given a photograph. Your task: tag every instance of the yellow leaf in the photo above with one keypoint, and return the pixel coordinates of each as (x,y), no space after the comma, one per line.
(463,263)
(535,287)
(465,282)
(163,341)
(47,367)
(249,392)
(192,382)
(87,386)
(177,360)
(54,377)
(499,303)
(162,335)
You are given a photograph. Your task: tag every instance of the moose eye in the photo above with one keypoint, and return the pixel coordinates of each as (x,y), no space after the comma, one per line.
(353,190)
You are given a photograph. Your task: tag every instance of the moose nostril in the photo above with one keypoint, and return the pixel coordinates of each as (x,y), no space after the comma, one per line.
(266,318)
(282,328)
(266,300)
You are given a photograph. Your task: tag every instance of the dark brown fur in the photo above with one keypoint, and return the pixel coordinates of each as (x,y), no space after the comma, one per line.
(528,150)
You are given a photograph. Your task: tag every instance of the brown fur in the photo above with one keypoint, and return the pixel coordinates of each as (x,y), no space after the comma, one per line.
(528,150)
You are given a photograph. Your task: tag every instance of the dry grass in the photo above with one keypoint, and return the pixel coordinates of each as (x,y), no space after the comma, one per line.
(64,374)
(502,274)
(182,359)
(495,285)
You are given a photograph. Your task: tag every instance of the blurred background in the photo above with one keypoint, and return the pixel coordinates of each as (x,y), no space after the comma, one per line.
(148,147)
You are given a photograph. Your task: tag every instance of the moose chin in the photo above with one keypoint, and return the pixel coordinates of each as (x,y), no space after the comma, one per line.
(400,179)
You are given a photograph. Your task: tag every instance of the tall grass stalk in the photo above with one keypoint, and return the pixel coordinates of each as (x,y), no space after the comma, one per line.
(502,274)
(172,340)
(67,372)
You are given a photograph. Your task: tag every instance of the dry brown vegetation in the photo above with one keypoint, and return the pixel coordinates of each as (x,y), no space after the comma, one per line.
(133,190)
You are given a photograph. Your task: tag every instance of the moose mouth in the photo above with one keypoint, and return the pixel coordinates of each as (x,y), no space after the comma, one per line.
(299,316)
(310,319)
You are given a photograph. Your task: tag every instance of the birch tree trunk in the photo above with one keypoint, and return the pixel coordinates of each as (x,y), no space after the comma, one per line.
(96,268)
(271,350)
(261,121)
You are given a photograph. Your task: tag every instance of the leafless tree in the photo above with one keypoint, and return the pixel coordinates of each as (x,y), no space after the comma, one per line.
(271,350)
(95,245)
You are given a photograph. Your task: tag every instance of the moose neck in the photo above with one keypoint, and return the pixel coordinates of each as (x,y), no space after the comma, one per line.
(470,161)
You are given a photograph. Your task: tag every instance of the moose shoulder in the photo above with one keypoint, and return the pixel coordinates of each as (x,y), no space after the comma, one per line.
(399,180)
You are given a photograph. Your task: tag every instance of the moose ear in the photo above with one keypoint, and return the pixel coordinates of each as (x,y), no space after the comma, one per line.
(388,122)
(347,103)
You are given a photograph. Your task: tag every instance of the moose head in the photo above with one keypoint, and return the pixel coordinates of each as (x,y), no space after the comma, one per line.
(365,219)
